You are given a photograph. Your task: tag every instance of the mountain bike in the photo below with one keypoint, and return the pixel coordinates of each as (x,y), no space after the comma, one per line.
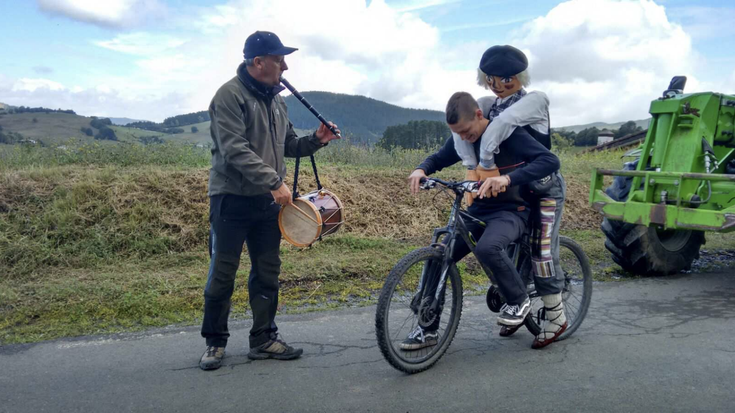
(425,288)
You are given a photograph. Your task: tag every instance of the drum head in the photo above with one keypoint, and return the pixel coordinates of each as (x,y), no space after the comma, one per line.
(300,223)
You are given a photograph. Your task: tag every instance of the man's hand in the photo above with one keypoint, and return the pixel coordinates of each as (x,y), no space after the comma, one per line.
(324,134)
(494,185)
(282,196)
(414,180)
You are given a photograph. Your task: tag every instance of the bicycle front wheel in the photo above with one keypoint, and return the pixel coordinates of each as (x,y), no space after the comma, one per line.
(406,303)
(577,292)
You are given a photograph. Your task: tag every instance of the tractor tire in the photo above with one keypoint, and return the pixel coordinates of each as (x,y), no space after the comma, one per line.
(646,250)
(651,251)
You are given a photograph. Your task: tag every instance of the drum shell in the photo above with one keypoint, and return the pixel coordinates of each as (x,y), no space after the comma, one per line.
(311,217)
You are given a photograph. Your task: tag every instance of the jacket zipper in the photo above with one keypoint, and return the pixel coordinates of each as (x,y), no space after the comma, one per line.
(269,104)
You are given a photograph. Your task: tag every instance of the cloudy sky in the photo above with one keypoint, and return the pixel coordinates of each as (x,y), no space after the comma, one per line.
(598,60)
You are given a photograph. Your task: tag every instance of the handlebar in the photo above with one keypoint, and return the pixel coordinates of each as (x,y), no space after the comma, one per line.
(457,186)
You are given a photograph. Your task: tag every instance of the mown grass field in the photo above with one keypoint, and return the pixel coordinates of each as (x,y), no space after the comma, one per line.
(98,238)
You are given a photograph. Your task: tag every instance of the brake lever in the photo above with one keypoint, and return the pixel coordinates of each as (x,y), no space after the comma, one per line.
(428,184)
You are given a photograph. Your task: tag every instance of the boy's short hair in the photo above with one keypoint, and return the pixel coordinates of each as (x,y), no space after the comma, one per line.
(461,106)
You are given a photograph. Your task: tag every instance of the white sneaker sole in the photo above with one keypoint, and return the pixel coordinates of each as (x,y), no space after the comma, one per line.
(513,323)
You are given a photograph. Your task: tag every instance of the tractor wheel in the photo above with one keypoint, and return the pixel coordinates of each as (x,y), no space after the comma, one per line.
(651,251)
(647,250)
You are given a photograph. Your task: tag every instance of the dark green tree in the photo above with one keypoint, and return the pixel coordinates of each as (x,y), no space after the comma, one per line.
(416,134)
(626,129)
(106,133)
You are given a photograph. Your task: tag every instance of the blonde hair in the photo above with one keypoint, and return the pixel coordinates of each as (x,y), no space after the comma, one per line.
(522,77)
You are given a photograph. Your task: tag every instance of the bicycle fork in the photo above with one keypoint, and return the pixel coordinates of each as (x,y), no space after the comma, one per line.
(428,301)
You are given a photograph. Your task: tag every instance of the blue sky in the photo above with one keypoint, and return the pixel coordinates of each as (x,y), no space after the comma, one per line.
(598,60)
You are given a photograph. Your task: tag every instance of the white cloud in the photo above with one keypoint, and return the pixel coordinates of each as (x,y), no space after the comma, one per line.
(31,85)
(141,43)
(372,50)
(101,100)
(107,13)
(599,60)
(605,60)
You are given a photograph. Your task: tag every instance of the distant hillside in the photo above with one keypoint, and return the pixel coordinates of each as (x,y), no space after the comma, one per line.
(56,128)
(123,121)
(643,123)
(360,117)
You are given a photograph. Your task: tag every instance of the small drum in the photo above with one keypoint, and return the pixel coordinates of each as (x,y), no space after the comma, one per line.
(311,217)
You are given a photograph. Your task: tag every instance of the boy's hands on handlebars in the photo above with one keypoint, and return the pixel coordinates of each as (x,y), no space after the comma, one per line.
(414,180)
(493,186)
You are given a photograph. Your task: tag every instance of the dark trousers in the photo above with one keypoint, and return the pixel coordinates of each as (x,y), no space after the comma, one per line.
(503,228)
(234,221)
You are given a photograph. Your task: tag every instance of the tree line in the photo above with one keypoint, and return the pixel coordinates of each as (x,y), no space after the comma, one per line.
(26,109)
(588,136)
(416,134)
(426,134)
(187,119)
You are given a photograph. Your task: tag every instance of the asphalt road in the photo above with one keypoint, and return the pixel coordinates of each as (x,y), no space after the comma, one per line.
(662,344)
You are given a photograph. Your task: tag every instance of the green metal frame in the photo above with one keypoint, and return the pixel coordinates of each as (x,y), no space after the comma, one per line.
(671,187)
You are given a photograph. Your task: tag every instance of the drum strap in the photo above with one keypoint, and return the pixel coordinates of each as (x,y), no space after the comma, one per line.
(296,172)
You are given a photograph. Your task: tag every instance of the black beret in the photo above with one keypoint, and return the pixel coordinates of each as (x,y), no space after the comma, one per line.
(503,61)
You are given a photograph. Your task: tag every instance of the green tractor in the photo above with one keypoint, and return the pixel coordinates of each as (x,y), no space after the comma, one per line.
(680,183)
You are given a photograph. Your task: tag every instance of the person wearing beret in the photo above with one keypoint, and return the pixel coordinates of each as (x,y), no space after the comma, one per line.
(503,208)
(251,135)
(503,70)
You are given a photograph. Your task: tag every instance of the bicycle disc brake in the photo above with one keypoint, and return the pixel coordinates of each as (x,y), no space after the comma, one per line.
(427,312)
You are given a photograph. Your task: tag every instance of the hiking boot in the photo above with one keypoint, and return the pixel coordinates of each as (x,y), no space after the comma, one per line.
(506,331)
(212,358)
(418,339)
(275,348)
(513,315)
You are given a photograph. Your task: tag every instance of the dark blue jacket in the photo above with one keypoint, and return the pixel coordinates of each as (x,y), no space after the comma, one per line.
(521,157)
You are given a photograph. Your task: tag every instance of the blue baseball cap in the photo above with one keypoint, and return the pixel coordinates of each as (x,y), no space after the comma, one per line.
(265,43)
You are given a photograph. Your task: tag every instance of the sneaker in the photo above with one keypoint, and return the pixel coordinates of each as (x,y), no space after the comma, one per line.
(507,331)
(513,315)
(212,358)
(419,339)
(275,348)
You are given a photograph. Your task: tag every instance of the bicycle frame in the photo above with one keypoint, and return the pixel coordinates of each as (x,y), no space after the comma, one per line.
(445,239)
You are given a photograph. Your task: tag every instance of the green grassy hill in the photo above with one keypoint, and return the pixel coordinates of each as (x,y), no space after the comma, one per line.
(361,118)
(54,129)
(50,128)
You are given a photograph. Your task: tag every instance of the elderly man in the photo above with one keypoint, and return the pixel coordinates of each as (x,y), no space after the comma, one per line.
(251,135)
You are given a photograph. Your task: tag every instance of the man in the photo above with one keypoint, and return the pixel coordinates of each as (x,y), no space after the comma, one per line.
(500,205)
(251,135)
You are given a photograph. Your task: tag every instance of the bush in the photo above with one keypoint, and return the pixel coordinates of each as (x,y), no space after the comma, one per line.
(106,133)
(87,131)
(194,129)
(100,123)
(153,139)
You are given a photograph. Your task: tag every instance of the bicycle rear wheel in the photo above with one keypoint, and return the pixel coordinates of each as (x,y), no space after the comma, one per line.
(577,292)
(403,305)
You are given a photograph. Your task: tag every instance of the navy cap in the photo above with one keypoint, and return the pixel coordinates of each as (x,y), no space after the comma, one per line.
(503,61)
(265,43)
